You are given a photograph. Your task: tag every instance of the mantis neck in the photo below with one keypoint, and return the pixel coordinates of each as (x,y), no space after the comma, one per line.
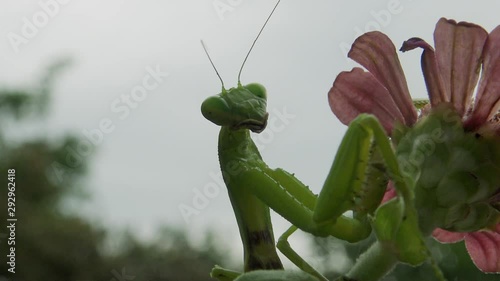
(236,145)
(238,154)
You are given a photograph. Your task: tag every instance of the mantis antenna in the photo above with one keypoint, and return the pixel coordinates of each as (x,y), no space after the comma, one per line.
(255,41)
(213,65)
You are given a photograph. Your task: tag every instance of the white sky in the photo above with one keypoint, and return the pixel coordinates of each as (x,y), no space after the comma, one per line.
(164,149)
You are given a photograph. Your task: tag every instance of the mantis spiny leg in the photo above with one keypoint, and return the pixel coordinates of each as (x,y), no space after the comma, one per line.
(346,181)
(364,148)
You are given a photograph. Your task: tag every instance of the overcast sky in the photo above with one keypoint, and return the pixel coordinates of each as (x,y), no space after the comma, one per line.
(158,151)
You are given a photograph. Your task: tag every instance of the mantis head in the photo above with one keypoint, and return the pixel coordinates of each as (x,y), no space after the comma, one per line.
(243,107)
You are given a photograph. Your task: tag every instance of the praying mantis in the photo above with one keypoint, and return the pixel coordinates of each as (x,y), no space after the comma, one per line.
(366,161)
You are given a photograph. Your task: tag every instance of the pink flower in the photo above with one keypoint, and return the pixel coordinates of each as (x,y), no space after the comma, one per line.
(382,91)
(483,246)
(451,73)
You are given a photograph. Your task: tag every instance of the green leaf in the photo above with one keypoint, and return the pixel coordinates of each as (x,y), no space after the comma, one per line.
(388,219)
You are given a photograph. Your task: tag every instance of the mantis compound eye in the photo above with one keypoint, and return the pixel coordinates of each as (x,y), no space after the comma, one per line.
(217,111)
(238,108)
(257,89)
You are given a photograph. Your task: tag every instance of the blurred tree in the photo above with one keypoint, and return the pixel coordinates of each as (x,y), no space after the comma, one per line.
(55,244)
(50,245)
(170,257)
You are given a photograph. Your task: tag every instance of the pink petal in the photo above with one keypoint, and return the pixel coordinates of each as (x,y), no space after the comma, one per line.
(390,192)
(488,95)
(445,236)
(433,79)
(458,52)
(484,249)
(358,92)
(375,51)
(490,127)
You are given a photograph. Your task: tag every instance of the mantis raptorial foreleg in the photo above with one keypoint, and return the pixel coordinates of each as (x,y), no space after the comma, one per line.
(365,153)
(346,188)
(444,173)
(356,182)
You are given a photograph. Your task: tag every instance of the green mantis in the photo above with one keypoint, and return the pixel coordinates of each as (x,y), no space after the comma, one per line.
(366,161)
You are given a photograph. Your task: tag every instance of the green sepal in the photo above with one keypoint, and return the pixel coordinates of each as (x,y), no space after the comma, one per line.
(276,275)
(398,132)
(477,217)
(388,218)
(409,241)
(456,188)
(399,233)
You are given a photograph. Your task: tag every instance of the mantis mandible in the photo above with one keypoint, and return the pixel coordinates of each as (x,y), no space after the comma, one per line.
(364,164)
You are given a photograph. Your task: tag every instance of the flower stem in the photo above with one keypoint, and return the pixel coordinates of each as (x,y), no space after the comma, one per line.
(374,264)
